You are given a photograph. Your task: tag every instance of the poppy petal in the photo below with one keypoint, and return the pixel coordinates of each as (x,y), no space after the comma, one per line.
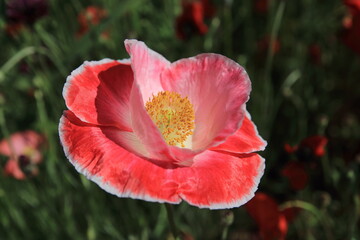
(245,140)
(218,88)
(146,130)
(113,168)
(12,168)
(120,172)
(98,92)
(218,180)
(147,66)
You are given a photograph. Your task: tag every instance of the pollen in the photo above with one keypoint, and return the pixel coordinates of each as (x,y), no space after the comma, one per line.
(173,115)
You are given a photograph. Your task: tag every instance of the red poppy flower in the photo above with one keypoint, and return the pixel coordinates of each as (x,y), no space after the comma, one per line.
(310,147)
(315,144)
(191,21)
(149,129)
(24,153)
(91,16)
(265,211)
(296,174)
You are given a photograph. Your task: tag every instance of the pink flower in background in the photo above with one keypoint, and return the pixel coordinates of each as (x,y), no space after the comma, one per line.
(149,129)
(23,152)
(191,20)
(271,221)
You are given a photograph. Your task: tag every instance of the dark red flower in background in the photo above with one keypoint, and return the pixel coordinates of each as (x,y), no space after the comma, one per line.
(191,21)
(271,221)
(315,54)
(264,44)
(91,16)
(350,35)
(314,144)
(13,29)
(23,150)
(26,11)
(296,174)
(305,157)
(261,6)
(353,5)
(309,148)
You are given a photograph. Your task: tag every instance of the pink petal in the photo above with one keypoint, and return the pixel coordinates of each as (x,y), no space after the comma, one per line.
(147,66)
(245,140)
(217,180)
(113,168)
(98,92)
(218,88)
(12,169)
(20,141)
(147,131)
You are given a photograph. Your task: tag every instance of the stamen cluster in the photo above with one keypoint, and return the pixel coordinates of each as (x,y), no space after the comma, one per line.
(173,115)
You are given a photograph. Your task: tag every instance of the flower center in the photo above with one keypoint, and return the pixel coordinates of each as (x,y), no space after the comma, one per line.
(173,115)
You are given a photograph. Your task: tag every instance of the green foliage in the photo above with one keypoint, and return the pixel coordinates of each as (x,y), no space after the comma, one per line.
(292,98)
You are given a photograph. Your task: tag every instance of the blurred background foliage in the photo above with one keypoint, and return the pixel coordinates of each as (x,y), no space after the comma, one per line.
(305,74)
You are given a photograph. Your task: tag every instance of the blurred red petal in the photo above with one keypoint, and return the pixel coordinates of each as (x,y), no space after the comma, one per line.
(289,149)
(12,169)
(92,15)
(291,213)
(296,174)
(261,6)
(191,20)
(316,144)
(354,5)
(351,35)
(264,210)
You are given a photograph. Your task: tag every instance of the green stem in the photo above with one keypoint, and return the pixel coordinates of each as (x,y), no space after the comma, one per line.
(225,233)
(268,91)
(314,210)
(170,215)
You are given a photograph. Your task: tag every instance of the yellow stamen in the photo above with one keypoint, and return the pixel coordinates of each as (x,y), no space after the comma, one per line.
(173,115)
